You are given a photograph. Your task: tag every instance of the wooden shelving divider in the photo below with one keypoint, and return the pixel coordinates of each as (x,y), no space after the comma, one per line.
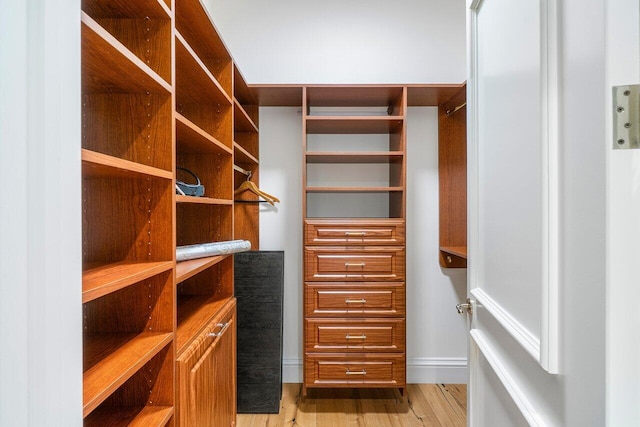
(159,94)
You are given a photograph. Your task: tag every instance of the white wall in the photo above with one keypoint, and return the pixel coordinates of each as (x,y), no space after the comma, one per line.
(339,41)
(40,237)
(436,335)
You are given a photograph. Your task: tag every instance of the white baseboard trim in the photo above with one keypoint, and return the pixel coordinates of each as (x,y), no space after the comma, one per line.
(420,370)
(435,370)
(292,371)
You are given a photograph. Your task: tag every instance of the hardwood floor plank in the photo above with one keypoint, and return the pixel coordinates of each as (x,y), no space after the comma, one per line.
(426,405)
(441,406)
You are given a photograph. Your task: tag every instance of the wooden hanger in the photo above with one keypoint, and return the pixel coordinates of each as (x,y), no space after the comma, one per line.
(250,186)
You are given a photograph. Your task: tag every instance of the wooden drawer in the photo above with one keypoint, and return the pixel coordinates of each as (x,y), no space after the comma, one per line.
(354,232)
(354,299)
(354,335)
(328,370)
(370,263)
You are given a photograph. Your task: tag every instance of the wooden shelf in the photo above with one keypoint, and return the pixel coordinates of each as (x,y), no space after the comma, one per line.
(353,124)
(354,157)
(430,95)
(127,9)
(190,268)
(242,121)
(191,138)
(194,82)
(242,155)
(111,359)
(202,200)
(194,313)
(105,62)
(354,189)
(102,280)
(278,95)
(453,256)
(459,251)
(144,416)
(98,165)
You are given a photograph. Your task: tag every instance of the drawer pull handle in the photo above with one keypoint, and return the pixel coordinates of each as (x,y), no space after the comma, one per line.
(363,372)
(354,264)
(223,327)
(352,233)
(355,301)
(356,337)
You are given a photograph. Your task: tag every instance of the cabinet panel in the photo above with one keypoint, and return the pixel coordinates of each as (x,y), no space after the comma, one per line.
(354,300)
(355,335)
(368,263)
(355,371)
(207,374)
(354,232)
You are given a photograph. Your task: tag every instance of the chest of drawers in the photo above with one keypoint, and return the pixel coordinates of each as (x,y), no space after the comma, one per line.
(354,303)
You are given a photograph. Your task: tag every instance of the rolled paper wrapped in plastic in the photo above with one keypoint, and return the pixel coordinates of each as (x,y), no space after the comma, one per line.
(203,250)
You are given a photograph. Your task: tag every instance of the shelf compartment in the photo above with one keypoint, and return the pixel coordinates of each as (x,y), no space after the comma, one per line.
(200,297)
(243,156)
(192,138)
(144,416)
(111,360)
(134,215)
(109,67)
(353,144)
(362,176)
(353,124)
(357,96)
(101,280)
(215,171)
(144,27)
(199,96)
(189,268)
(203,223)
(354,204)
(98,165)
(242,121)
(193,22)
(245,97)
(354,157)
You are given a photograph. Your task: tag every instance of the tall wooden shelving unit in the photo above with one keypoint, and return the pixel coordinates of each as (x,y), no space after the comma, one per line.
(160,91)
(128,250)
(354,254)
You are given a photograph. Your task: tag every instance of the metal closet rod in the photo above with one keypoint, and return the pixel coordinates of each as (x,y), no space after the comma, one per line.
(450,112)
(242,171)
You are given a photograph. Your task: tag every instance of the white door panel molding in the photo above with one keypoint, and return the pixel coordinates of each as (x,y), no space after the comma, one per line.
(513,169)
(481,347)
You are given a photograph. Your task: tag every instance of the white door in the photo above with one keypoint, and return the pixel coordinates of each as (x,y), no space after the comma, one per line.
(539,142)
(623,212)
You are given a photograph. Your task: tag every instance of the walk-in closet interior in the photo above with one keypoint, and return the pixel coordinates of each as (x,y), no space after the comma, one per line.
(194,309)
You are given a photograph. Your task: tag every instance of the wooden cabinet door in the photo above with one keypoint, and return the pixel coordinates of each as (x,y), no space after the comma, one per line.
(207,376)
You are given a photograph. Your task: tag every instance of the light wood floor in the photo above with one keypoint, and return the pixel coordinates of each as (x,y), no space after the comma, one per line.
(426,405)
